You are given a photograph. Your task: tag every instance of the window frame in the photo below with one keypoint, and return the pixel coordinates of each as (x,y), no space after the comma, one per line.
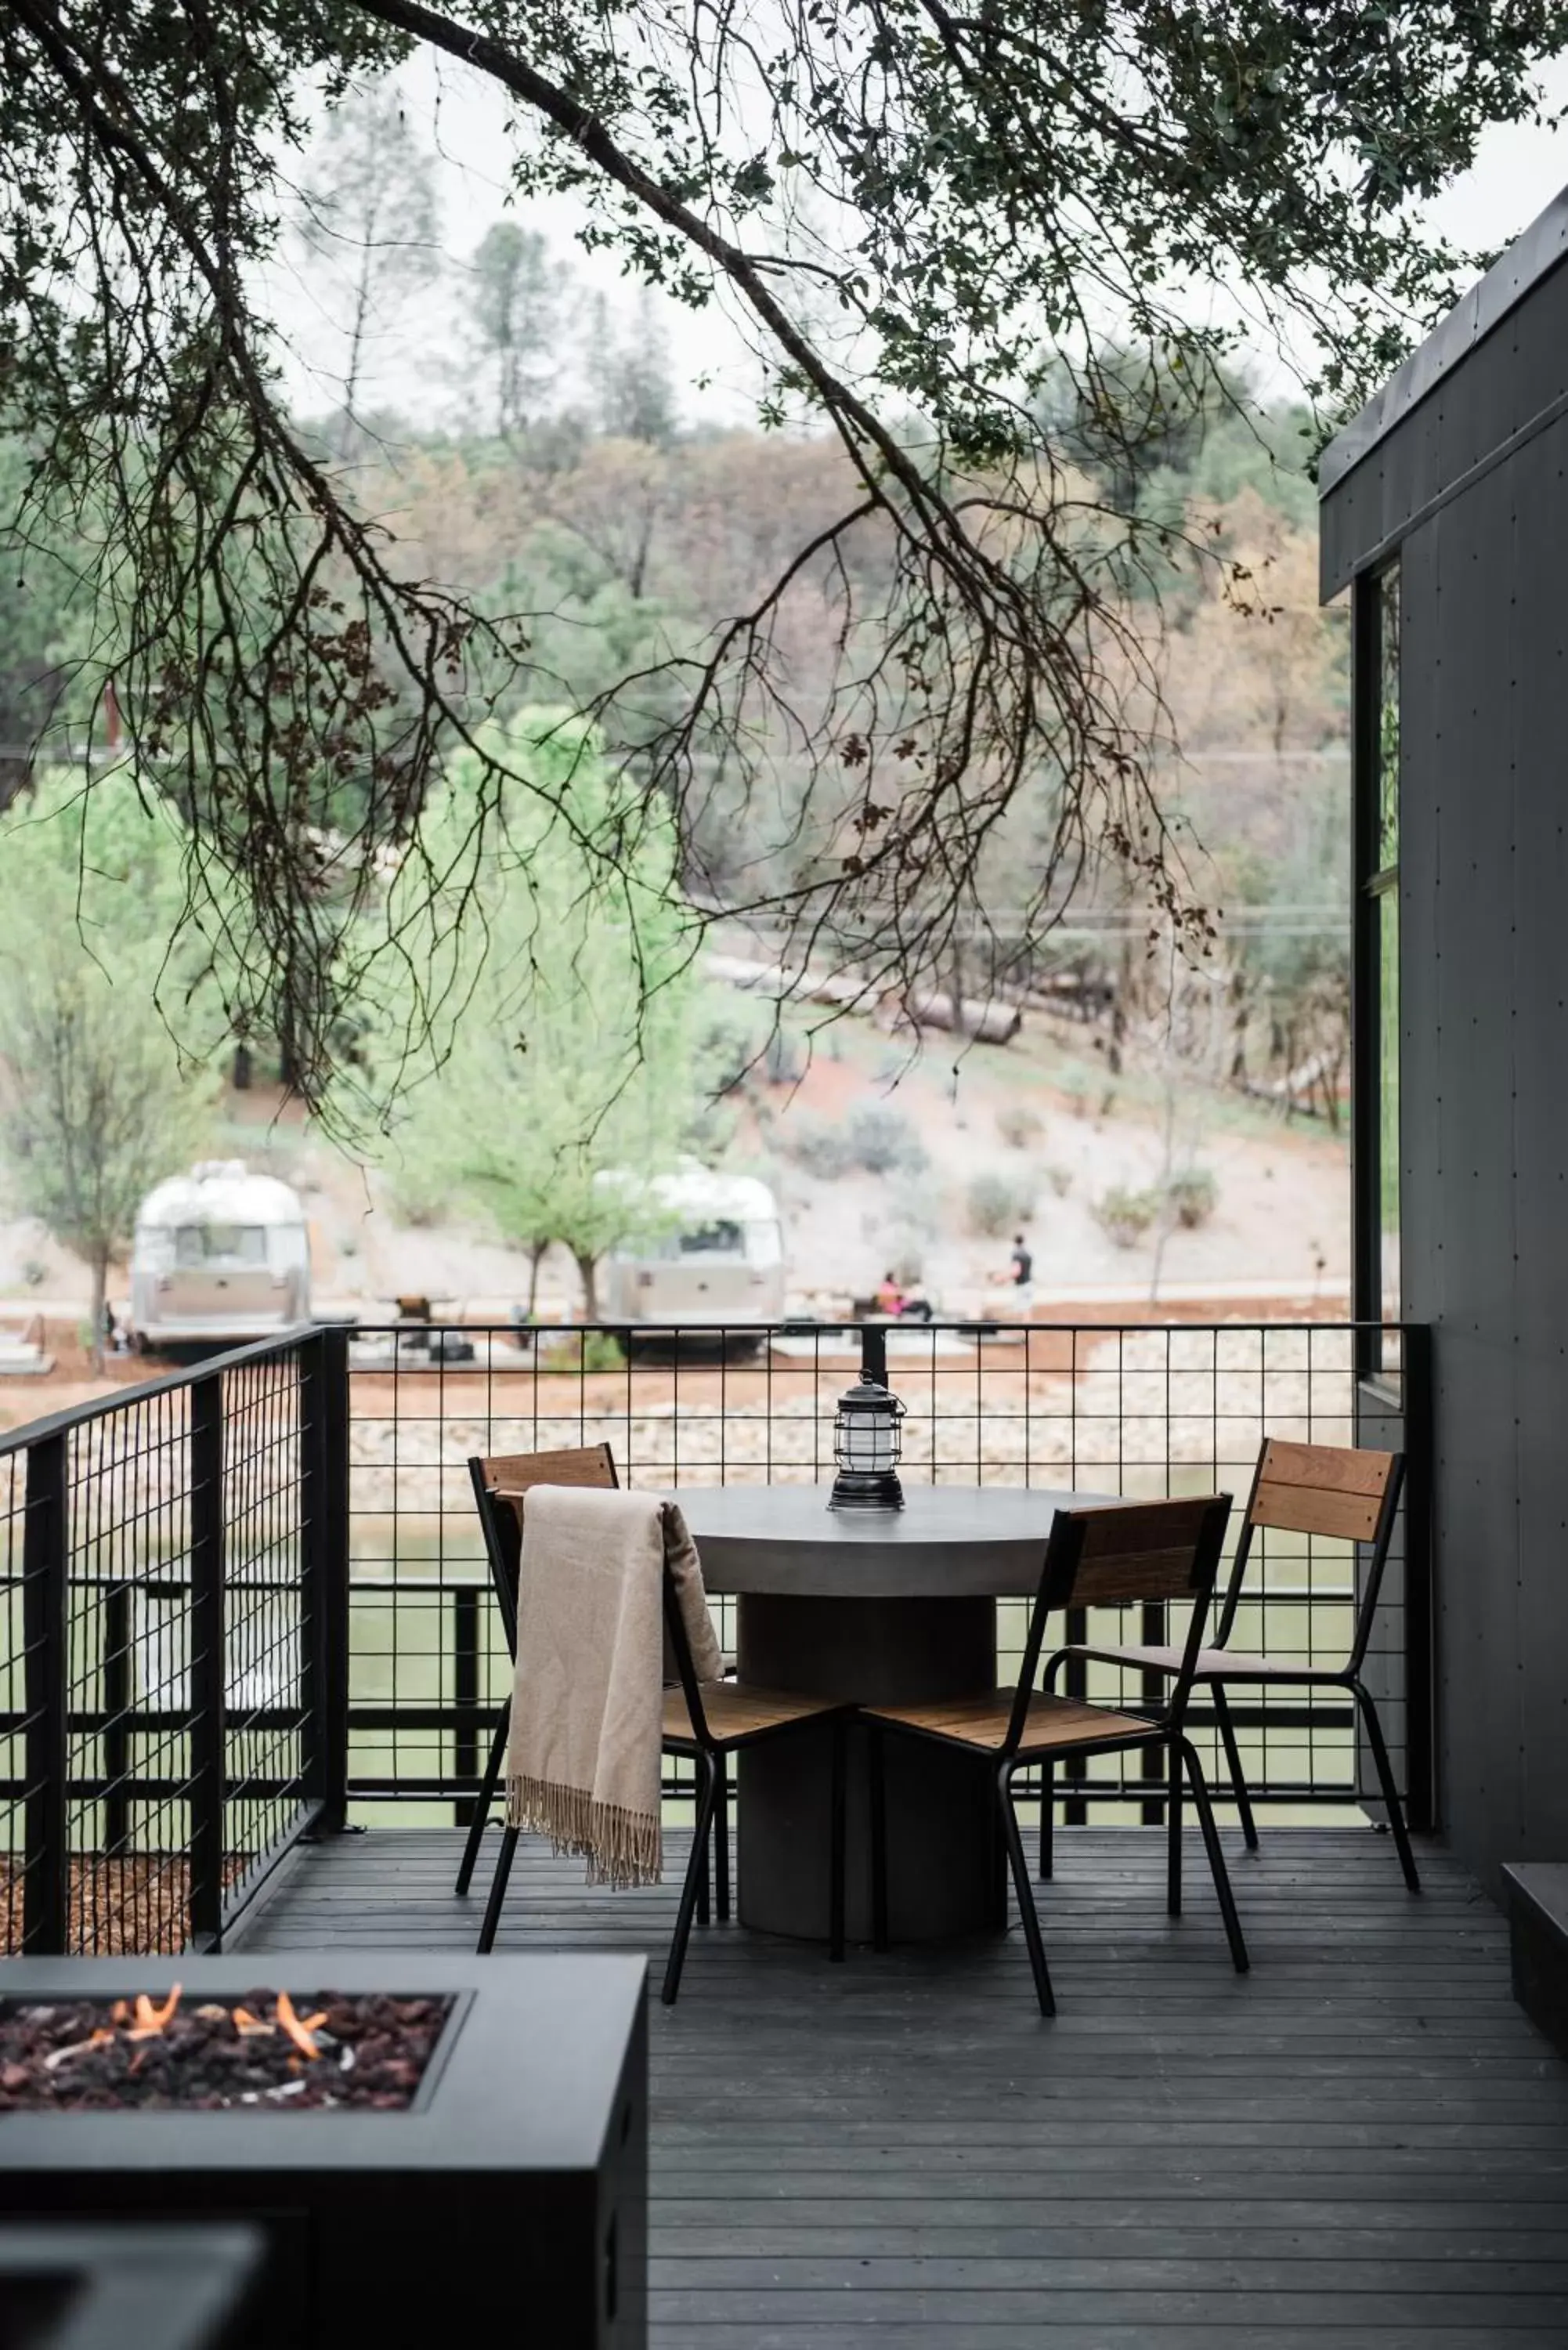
(1375,877)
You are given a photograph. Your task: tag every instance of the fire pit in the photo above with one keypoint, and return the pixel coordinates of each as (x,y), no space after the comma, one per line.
(479,2162)
(327,2048)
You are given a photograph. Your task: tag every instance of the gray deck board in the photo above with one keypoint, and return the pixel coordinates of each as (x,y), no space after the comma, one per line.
(1362,2146)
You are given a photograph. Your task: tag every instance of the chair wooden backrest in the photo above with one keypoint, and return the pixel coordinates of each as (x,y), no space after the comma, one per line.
(1132,1551)
(500,1482)
(1339,1489)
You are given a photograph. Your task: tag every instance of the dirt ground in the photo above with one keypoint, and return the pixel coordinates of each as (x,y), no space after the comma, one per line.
(1277,1242)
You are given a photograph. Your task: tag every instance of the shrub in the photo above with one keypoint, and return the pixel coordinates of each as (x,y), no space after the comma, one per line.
(998,1204)
(569,1349)
(1019,1125)
(883,1140)
(1193,1197)
(878,1136)
(1126,1216)
(821,1148)
(602,1351)
(783,1058)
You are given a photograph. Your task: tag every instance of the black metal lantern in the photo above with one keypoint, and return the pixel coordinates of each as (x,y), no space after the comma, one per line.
(866,1439)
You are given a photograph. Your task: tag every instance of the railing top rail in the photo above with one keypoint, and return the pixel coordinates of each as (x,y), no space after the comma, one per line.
(801,1327)
(77,1415)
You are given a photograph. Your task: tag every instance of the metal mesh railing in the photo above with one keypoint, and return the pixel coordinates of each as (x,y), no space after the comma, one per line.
(238,1597)
(164,1573)
(1138,1410)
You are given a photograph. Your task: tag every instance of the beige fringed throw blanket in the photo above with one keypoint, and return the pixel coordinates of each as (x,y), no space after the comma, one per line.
(588,1704)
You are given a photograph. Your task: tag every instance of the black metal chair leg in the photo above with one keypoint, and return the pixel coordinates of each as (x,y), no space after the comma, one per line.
(836,1847)
(486,1796)
(1025,1892)
(721,1837)
(504,1860)
(878,1786)
(1048,1786)
(1391,1803)
(1217,1869)
(1233,1764)
(695,1878)
(704,1842)
(1173,1832)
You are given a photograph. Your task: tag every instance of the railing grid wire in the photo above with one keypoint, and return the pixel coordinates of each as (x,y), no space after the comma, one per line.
(1141,1410)
(152,1705)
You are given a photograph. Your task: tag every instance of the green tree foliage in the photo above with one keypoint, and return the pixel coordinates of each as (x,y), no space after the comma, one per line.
(581,1046)
(97,1103)
(369,213)
(637,390)
(919,216)
(513,319)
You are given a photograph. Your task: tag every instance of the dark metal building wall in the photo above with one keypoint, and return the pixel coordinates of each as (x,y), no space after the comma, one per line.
(1511,387)
(1484,1061)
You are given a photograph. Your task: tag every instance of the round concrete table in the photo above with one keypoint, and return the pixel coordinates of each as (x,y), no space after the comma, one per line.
(884,1606)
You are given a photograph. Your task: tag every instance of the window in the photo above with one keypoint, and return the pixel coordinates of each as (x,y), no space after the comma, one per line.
(220,1243)
(1377,1138)
(720,1239)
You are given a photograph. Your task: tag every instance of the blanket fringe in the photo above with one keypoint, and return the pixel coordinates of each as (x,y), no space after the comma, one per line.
(623,1848)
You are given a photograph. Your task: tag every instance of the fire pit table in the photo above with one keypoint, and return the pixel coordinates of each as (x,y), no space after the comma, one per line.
(497,2184)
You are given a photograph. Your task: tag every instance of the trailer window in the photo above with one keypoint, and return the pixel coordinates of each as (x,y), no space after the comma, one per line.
(721,1239)
(220,1243)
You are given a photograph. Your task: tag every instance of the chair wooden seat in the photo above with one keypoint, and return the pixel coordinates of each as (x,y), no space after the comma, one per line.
(1050,1724)
(1213,1664)
(735,1712)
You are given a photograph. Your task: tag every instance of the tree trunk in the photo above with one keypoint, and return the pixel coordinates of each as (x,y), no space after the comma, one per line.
(588,1272)
(100,1268)
(535,1259)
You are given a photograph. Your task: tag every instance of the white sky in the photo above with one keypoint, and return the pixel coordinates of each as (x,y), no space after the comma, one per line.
(415,355)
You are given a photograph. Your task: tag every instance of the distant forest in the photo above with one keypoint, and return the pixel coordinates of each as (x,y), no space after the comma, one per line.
(567,482)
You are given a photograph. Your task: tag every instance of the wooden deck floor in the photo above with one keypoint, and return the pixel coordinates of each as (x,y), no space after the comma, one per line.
(1362,2143)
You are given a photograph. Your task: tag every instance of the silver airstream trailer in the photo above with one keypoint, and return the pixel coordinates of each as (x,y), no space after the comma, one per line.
(220,1256)
(704,1248)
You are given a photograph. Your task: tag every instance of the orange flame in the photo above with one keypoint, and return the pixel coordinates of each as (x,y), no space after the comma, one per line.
(150,2021)
(300,2033)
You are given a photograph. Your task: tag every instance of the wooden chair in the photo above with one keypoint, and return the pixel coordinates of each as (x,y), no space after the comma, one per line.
(705,1725)
(1135,1549)
(587,1464)
(1308,1489)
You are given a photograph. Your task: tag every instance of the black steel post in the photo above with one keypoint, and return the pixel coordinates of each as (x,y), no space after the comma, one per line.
(1076,1768)
(116,1676)
(466,1693)
(207,1694)
(45,1634)
(324,1573)
(1422,1795)
(1366,1074)
(1153,1690)
(874,1352)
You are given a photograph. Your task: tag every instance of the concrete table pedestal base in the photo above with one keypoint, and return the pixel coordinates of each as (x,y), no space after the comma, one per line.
(944,1853)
